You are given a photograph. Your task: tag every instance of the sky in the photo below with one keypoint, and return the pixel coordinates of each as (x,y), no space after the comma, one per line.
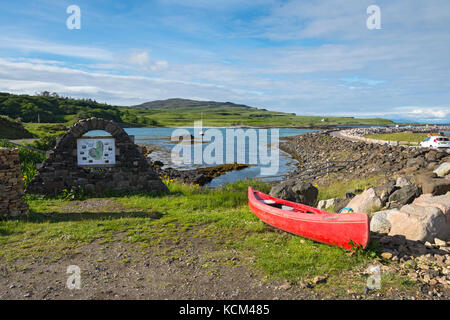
(306,57)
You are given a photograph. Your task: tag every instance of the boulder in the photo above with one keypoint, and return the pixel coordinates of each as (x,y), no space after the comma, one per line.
(385,190)
(323,204)
(402,182)
(367,201)
(436,186)
(296,191)
(418,162)
(349,195)
(418,223)
(443,169)
(441,202)
(379,221)
(403,196)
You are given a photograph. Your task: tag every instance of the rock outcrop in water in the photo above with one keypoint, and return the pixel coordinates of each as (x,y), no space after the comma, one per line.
(200,176)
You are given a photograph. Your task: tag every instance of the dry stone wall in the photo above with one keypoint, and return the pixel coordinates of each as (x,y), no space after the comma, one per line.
(11,184)
(131,171)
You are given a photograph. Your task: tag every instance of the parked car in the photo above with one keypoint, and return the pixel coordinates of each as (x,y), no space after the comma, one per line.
(436,141)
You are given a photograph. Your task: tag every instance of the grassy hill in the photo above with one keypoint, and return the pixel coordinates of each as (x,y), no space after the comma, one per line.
(50,108)
(11,129)
(183,112)
(179,104)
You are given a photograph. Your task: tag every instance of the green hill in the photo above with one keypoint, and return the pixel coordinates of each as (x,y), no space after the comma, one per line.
(177,103)
(11,129)
(183,112)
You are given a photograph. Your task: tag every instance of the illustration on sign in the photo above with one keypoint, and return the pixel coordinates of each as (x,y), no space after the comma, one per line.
(94,151)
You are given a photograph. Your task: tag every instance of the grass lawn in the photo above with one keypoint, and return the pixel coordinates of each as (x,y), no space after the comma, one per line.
(57,227)
(46,129)
(398,136)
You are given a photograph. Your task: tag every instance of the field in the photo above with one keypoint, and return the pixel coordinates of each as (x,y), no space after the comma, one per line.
(398,136)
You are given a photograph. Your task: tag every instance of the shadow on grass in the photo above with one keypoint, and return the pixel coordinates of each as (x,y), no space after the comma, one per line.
(5,232)
(104,194)
(54,217)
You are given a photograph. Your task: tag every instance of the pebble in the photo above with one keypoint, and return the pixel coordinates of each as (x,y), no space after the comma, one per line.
(320,279)
(285,286)
(440,242)
(386,255)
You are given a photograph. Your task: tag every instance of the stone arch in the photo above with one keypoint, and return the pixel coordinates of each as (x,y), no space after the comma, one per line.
(131,171)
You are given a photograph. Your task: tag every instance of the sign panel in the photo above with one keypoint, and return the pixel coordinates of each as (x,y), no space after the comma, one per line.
(96,151)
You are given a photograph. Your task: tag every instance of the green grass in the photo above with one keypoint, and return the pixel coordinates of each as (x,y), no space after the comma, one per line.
(220,215)
(46,129)
(398,136)
(12,129)
(339,188)
(159,222)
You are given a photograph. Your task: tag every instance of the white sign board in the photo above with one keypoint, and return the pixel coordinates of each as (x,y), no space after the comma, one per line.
(95,151)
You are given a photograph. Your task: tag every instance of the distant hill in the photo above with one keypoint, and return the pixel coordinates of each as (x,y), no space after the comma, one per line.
(183,112)
(177,103)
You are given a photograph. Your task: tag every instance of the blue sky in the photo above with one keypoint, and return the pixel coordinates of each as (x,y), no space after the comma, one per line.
(308,57)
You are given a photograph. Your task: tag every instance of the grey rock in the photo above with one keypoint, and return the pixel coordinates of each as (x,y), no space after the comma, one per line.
(296,191)
(402,182)
(404,195)
(379,222)
(443,169)
(365,202)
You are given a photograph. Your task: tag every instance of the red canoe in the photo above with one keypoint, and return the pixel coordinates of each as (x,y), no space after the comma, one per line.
(329,228)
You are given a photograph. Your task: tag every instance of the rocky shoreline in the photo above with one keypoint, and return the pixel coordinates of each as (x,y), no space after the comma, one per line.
(362,159)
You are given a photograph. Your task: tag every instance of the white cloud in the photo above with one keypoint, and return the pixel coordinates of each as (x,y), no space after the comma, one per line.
(431,113)
(140,58)
(33,45)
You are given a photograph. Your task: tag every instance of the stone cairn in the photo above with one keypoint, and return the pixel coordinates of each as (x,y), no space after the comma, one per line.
(131,172)
(11,184)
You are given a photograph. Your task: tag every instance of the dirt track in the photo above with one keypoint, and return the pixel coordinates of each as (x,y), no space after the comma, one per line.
(119,271)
